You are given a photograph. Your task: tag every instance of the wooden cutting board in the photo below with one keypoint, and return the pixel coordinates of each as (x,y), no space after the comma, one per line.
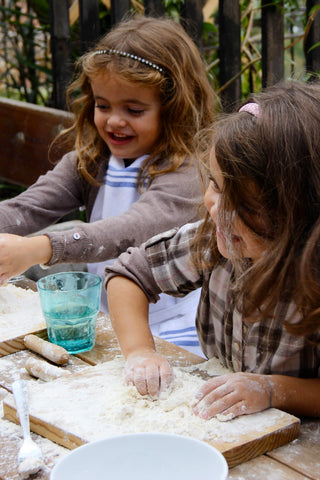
(72,412)
(11,336)
(15,344)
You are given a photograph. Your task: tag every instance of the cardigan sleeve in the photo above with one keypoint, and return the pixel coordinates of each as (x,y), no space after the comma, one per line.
(52,196)
(170,201)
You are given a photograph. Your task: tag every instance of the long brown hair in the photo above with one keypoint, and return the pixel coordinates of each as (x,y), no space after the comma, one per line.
(279,153)
(188,99)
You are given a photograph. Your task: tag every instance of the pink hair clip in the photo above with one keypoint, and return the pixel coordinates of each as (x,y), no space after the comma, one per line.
(252,108)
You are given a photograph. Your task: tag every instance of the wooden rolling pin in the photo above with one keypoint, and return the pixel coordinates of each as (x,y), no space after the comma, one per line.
(44,370)
(52,352)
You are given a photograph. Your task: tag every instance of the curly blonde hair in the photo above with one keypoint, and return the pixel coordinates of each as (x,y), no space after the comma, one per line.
(188,99)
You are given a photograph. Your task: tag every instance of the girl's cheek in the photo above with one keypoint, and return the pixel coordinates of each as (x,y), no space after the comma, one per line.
(211,201)
(206,200)
(209,198)
(96,120)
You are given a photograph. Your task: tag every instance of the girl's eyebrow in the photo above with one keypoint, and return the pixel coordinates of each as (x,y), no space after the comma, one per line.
(136,101)
(98,97)
(127,100)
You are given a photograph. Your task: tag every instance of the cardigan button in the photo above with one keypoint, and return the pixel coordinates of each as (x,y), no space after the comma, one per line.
(76,236)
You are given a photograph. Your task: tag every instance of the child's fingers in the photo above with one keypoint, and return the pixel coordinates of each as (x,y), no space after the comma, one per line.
(3,279)
(166,375)
(216,401)
(209,386)
(235,394)
(140,380)
(148,372)
(152,380)
(213,405)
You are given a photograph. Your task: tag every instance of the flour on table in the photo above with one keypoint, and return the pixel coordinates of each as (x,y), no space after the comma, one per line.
(212,367)
(20,312)
(10,442)
(96,403)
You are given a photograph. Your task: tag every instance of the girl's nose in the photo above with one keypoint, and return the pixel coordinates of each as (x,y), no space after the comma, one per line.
(116,121)
(211,201)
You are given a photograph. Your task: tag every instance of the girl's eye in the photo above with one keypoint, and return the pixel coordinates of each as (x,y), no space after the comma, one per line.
(213,183)
(101,106)
(135,111)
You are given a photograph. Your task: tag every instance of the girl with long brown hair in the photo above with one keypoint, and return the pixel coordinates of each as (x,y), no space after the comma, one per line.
(256,257)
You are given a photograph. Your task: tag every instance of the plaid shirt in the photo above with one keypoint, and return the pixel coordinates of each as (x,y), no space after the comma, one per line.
(164,264)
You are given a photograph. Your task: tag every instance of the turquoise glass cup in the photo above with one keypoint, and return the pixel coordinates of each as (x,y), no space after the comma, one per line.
(70,305)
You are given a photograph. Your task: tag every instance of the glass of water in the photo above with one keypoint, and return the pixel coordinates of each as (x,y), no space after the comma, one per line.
(70,304)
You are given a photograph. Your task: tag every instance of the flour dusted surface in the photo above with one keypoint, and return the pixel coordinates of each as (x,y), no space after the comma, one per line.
(10,442)
(96,403)
(20,312)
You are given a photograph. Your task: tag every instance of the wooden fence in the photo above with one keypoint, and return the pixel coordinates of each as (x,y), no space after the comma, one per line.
(230,67)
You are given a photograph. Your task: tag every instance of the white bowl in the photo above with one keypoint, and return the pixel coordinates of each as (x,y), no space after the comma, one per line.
(143,456)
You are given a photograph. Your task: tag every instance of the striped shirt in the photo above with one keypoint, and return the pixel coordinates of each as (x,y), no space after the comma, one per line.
(172,319)
(164,264)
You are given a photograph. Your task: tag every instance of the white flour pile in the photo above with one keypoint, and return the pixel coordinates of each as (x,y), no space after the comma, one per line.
(211,367)
(96,404)
(20,312)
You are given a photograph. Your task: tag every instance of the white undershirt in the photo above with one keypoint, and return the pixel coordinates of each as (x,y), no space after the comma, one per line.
(170,318)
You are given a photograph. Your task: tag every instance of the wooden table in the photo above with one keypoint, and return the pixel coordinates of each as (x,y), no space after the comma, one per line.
(297,460)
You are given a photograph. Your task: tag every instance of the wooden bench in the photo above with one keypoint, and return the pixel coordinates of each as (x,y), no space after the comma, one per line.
(26,131)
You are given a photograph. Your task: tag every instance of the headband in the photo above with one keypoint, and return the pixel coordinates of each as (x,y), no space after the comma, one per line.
(113,51)
(252,108)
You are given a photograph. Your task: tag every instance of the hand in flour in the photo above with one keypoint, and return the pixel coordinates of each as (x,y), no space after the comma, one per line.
(17,254)
(150,372)
(232,395)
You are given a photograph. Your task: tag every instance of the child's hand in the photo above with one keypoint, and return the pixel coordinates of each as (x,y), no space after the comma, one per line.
(150,372)
(233,395)
(17,254)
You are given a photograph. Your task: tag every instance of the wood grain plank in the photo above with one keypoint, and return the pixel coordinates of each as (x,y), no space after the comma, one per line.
(263,468)
(107,347)
(15,344)
(52,432)
(303,455)
(13,366)
(258,446)
(272,31)
(27,130)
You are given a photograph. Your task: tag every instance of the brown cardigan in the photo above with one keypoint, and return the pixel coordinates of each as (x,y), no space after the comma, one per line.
(171,200)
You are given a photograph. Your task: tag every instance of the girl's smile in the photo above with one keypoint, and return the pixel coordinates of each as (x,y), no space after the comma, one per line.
(127,115)
(119,138)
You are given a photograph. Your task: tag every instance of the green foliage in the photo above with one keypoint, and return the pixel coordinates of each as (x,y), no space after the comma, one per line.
(42,10)
(27,72)
(27,65)
(294,28)
(173,8)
